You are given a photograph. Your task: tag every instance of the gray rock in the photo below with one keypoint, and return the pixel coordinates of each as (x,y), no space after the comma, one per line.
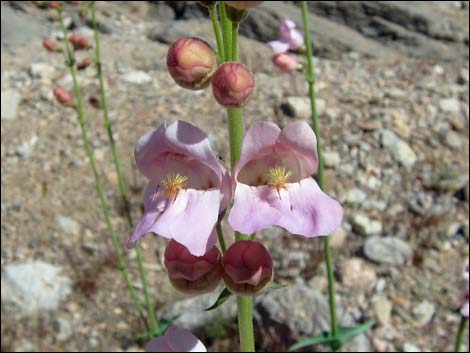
(424,312)
(41,71)
(300,311)
(10,100)
(64,328)
(68,225)
(34,286)
(137,77)
(449,105)
(363,225)
(26,149)
(382,309)
(355,196)
(453,140)
(387,250)
(331,158)
(299,107)
(410,347)
(398,148)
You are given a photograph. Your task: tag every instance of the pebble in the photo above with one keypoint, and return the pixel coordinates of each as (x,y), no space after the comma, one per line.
(26,149)
(137,77)
(382,309)
(424,312)
(363,225)
(398,148)
(356,273)
(355,196)
(453,140)
(10,100)
(387,250)
(331,158)
(41,71)
(449,105)
(409,347)
(68,225)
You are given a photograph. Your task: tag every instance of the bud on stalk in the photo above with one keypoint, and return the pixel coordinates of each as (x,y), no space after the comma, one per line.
(233,85)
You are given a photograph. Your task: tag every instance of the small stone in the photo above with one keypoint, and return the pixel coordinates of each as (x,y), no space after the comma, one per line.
(365,226)
(399,149)
(453,229)
(382,309)
(331,158)
(68,225)
(338,237)
(356,273)
(355,196)
(41,71)
(424,312)
(63,328)
(34,286)
(409,347)
(449,105)
(387,250)
(453,140)
(370,125)
(297,107)
(137,77)
(10,101)
(26,149)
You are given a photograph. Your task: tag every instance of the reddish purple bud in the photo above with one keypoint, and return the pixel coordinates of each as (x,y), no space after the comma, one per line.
(191,62)
(193,274)
(233,85)
(51,45)
(63,97)
(53,4)
(84,64)
(248,267)
(286,62)
(79,42)
(242,5)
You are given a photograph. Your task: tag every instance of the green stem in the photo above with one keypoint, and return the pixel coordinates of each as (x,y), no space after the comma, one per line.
(226,31)
(461,333)
(218,34)
(220,235)
(321,182)
(98,184)
(236,131)
(117,165)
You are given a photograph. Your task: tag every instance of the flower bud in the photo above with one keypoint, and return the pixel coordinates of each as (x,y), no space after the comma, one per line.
(248,267)
(193,274)
(242,5)
(286,62)
(79,42)
(236,15)
(84,64)
(63,97)
(233,85)
(191,62)
(51,45)
(53,4)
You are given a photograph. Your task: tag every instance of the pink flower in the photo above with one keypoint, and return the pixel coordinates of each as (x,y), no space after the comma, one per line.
(187,188)
(290,38)
(286,62)
(233,85)
(175,339)
(465,296)
(248,267)
(192,274)
(274,186)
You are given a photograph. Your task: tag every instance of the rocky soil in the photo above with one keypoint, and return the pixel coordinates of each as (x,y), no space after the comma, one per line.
(393,90)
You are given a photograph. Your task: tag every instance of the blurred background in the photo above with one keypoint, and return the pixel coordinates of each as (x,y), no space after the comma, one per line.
(393,97)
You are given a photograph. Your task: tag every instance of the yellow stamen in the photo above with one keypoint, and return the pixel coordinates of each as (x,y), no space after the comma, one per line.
(278,177)
(173,184)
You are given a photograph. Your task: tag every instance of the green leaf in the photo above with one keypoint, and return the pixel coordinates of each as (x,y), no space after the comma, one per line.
(223,297)
(162,326)
(325,338)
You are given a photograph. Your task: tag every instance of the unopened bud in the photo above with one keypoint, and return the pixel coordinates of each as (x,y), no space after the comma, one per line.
(248,267)
(63,97)
(233,85)
(193,274)
(286,62)
(242,5)
(191,62)
(236,15)
(84,64)
(79,42)
(51,45)
(53,4)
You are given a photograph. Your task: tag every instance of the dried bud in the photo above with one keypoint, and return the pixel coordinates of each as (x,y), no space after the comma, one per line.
(286,62)
(84,64)
(63,97)
(248,267)
(191,62)
(51,45)
(79,42)
(242,5)
(233,85)
(192,274)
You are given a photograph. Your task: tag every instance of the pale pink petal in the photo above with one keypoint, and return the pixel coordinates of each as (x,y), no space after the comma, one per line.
(296,40)
(182,340)
(255,208)
(306,210)
(279,46)
(227,189)
(465,309)
(190,219)
(159,344)
(149,148)
(287,24)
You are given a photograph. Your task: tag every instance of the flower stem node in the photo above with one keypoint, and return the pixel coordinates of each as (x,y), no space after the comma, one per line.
(191,63)
(193,274)
(248,268)
(233,85)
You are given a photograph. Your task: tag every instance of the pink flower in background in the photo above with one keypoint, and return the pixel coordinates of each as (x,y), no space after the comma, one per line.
(193,274)
(175,339)
(290,38)
(274,186)
(465,296)
(286,62)
(187,188)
